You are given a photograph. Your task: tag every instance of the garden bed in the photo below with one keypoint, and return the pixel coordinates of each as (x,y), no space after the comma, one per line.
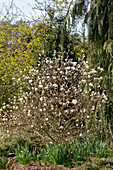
(92,163)
(36,166)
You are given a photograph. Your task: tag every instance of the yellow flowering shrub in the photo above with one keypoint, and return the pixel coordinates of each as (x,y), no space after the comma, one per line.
(18,41)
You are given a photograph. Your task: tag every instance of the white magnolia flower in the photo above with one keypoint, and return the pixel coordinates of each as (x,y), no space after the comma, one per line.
(45,104)
(87,66)
(78,65)
(98,68)
(20,99)
(13,107)
(61,72)
(4,107)
(41,98)
(4,119)
(103,101)
(46,87)
(93,108)
(55,85)
(54,77)
(61,127)
(68,68)
(40,86)
(90,84)
(83,81)
(101,69)
(85,74)
(84,110)
(80,134)
(74,63)
(101,78)
(29,111)
(13,78)
(16,107)
(47,61)
(59,113)
(104,96)
(74,101)
(7,131)
(93,71)
(83,55)
(30,81)
(73,68)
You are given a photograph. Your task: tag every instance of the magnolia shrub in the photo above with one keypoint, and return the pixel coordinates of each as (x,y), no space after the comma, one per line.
(58,100)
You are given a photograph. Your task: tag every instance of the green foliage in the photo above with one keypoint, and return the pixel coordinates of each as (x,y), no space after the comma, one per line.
(76,151)
(57,154)
(82,149)
(57,35)
(23,154)
(3,162)
(101,46)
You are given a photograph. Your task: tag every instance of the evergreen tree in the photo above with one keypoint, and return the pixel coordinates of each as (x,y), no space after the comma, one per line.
(100,36)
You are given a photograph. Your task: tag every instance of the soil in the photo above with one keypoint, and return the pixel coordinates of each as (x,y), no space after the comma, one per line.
(92,163)
(36,166)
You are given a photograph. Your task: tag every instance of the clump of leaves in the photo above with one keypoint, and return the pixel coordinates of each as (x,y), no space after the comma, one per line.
(57,154)
(90,147)
(77,150)
(23,154)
